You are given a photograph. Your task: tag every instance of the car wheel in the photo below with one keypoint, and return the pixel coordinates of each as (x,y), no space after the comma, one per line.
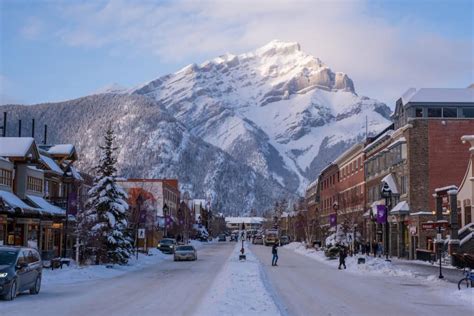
(36,289)
(10,296)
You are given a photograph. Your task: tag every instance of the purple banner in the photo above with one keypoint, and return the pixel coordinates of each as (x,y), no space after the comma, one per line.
(72,203)
(381,214)
(333,220)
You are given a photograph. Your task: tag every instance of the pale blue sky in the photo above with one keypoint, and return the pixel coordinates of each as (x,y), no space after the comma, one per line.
(58,50)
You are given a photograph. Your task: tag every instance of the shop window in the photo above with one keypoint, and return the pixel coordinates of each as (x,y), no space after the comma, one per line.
(468,112)
(418,112)
(450,112)
(2,234)
(434,112)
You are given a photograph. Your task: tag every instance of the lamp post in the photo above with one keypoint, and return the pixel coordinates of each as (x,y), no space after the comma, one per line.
(165,214)
(335,207)
(139,201)
(386,193)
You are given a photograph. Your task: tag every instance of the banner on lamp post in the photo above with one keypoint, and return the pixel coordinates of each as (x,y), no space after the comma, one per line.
(381,214)
(332,220)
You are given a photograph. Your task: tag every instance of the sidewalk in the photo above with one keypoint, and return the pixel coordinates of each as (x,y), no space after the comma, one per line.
(426,269)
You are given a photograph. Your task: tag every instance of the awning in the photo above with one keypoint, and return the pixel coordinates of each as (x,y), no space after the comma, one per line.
(45,205)
(390,181)
(15,202)
(401,208)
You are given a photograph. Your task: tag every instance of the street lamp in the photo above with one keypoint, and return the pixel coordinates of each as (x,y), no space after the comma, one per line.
(165,214)
(139,203)
(386,193)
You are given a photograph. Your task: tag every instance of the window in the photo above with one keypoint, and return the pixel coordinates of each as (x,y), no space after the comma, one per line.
(403,184)
(418,112)
(450,112)
(434,112)
(468,112)
(5,177)
(34,184)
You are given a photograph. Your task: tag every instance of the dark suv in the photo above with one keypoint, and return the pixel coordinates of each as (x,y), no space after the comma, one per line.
(20,270)
(167,245)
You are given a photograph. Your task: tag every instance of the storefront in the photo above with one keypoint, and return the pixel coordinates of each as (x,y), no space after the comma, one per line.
(3,229)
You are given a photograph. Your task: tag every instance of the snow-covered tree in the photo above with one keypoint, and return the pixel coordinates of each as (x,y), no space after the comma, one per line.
(107,210)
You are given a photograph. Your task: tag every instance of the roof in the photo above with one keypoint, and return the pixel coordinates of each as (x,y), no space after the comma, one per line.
(61,149)
(14,201)
(45,205)
(51,164)
(401,207)
(439,95)
(15,146)
(75,174)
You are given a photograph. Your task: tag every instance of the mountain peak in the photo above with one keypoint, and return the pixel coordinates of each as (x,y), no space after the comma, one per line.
(278,47)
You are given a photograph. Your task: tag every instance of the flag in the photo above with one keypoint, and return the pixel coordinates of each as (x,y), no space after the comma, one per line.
(381,214)
(333,220)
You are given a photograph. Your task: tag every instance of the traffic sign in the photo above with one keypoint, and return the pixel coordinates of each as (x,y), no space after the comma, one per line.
(141,233)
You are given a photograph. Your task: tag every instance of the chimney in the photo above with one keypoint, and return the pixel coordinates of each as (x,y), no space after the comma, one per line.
(33,128)
(45,140)
(4,127)
(19,128)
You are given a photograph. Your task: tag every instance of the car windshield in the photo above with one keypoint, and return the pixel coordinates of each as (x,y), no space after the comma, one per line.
(7,257)
(167,242)
(184,248)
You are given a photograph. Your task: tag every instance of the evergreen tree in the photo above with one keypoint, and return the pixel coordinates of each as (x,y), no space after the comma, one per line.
(107,210)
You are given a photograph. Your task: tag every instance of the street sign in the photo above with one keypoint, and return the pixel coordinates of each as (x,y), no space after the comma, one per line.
(393,219)
(413,230)
(141,233)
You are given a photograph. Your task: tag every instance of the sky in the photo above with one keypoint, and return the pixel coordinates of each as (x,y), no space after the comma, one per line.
(59,50)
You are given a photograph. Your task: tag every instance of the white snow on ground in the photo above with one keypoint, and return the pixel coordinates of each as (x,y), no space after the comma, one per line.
(378,266)
(238,289)
(74,273)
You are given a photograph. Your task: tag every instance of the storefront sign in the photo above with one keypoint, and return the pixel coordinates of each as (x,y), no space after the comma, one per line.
(381,214)
(72,203)
(413,230)
(141,233)
(27,221)
(427,226)
(57,225)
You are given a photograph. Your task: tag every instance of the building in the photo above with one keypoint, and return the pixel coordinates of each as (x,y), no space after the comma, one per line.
(351,187)
(312,206)
(328,193)
(465,197)
(154,205)
(249,223)
(35,188)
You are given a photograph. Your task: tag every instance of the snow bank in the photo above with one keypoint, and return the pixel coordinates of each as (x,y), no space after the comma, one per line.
(238,289)
(74,273)
(380,267)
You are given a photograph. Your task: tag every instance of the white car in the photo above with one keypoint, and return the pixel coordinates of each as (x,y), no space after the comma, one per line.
(185,252)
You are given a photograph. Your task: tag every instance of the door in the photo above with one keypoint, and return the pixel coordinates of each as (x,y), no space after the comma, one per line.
(23,271)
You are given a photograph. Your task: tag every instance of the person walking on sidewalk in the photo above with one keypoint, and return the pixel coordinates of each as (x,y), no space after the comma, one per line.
(275,253)
(342,258)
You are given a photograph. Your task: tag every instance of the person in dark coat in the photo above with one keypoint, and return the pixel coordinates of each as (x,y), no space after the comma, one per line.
(275,254)
(342,258)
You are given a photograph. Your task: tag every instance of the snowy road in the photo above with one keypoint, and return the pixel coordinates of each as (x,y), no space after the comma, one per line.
(309,287)
(169,288)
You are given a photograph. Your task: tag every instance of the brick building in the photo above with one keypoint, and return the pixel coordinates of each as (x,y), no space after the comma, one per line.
(328,180)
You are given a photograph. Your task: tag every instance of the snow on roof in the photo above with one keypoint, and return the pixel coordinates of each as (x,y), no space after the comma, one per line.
(61,149)
(447,95)
(390,181)
(14,201)
(45,205)
(75,174)
(15,146)
(401,207)
(51,164)
(422,213)
(246,220)
(466,238)
(401,140)
(376,141)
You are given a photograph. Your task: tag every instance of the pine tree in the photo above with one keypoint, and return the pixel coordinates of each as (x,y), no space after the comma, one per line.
(107,210)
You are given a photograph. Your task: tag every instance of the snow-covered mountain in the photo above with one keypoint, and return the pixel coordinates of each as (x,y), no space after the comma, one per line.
(246,129)
(151,143)
(278,109)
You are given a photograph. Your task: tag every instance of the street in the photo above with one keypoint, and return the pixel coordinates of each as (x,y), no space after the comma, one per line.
(169,288)
(308,287)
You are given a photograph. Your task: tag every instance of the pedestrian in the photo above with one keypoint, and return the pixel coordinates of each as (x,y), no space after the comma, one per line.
(275,253)
(374,248)
(367,248)
(342,257)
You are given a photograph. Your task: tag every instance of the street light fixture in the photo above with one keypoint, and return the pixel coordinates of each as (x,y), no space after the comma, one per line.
(386,193)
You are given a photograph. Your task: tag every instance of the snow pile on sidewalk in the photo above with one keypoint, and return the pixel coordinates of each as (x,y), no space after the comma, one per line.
(238,289)
(378,266)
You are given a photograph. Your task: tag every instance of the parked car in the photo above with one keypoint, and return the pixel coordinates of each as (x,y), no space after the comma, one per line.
(222,238)
(234,237)
(167,245)
(284,240)
(187,252)
(20,270)
(257,240)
